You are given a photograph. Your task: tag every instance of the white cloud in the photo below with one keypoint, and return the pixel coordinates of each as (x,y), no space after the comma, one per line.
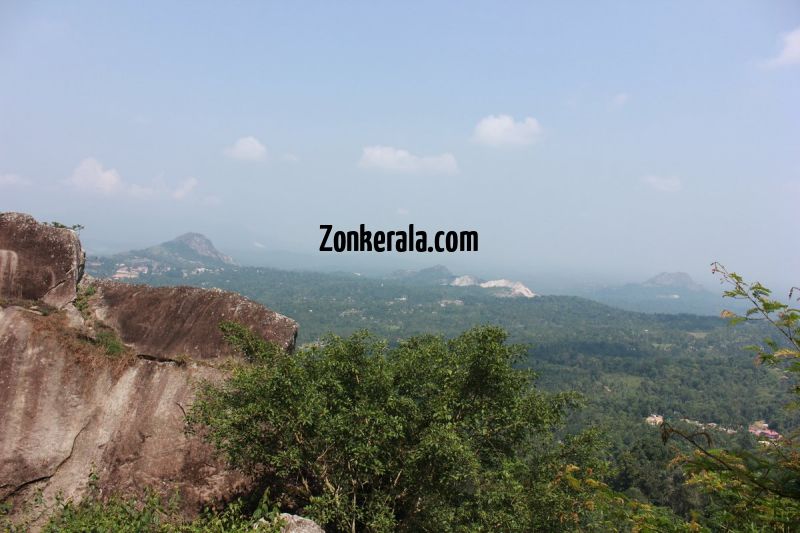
(91,176)
(503,130)
(184,188)
(247,149)
(620,99)
(258,244)
(389,159)
(13,180)
(291,158)
(664,184)
(402,211)
(790,54)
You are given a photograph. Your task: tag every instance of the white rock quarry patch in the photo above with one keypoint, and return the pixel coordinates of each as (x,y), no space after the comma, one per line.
(514,288)
(464,281)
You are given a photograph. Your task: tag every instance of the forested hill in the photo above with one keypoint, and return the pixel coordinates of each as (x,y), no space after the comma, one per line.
(694,366)
(185,254)
(668,292)
(397,308)
(690,369)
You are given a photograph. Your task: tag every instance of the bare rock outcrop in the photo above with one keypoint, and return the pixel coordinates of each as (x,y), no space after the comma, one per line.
(70,410)
(187,319)
(37,261)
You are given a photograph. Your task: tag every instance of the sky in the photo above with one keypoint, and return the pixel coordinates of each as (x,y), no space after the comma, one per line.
(588,141)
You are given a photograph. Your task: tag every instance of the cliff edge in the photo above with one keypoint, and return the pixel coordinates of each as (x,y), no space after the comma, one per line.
(96,376)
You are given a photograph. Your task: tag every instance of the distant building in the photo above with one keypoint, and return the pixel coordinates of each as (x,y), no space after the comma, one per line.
(126,272)
(709,425)
(760,428)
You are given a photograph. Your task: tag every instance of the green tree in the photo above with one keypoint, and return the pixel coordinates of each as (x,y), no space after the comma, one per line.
(759,488)
(431,435)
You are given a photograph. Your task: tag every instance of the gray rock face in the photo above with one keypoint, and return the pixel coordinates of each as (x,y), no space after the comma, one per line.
(37,261)
(164,322)
(68,409)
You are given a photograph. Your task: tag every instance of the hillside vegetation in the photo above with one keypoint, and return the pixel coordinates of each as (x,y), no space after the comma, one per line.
(595,372)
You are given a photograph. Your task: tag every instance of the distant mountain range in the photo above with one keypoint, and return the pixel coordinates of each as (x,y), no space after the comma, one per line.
(435,275)
(668,292)
(193,253)
(673,280)
(183,255)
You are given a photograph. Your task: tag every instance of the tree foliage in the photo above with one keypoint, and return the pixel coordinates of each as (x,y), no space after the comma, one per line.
(429,435)
(753,488)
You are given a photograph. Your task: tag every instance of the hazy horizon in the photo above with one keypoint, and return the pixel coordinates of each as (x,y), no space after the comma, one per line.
(577,281)
(577,147)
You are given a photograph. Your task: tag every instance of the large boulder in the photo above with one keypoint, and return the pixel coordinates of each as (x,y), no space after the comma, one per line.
(37,261)
(69,409)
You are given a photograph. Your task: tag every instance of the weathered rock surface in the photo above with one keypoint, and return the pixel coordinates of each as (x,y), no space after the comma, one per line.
(292,524)
(68,410)
(38,262)
(298,524)
(165,322)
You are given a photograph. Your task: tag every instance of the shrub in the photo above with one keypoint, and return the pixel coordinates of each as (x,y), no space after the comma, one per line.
(432,435)
(118,514)
(110,342)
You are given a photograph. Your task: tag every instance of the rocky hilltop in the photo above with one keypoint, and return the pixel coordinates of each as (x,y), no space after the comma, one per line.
(667,292)
(38,262)
(95,376)
(675,280)
(187,254)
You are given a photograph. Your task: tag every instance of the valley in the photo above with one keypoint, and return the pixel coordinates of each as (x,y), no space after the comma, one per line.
(691,370)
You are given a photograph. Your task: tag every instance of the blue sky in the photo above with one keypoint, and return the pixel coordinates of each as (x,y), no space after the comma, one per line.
(603,140)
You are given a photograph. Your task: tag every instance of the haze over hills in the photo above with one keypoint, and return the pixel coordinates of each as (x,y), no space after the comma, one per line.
(187,253)
(436,275)
(441,275)
(193,253)
(677,280)
(667,292)
(631,364)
